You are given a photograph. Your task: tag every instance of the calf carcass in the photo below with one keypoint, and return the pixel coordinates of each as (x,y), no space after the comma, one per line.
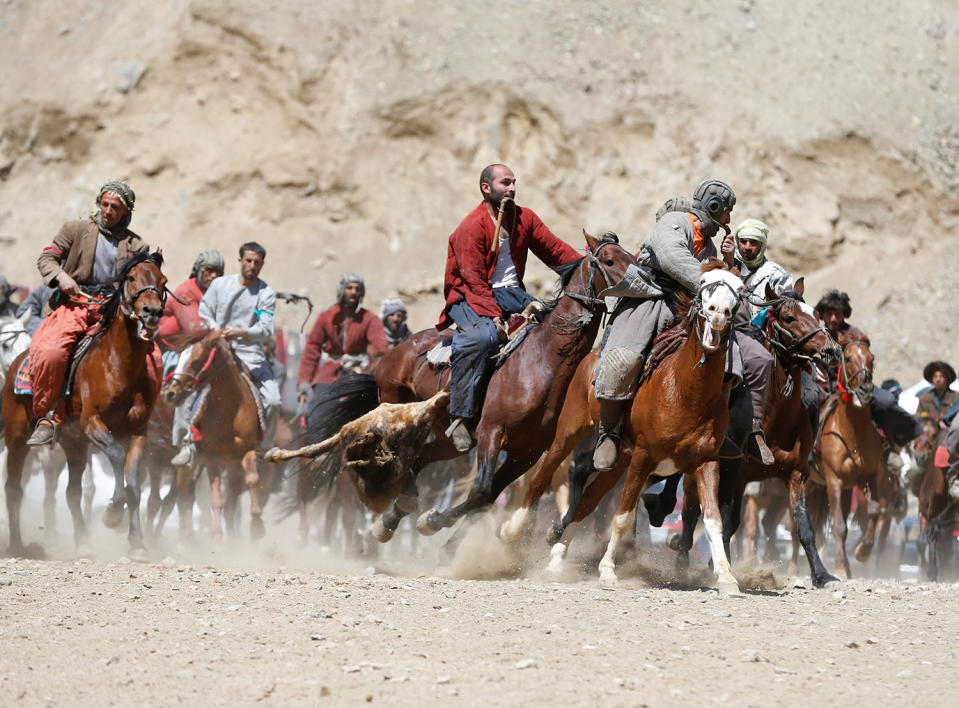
(378,449)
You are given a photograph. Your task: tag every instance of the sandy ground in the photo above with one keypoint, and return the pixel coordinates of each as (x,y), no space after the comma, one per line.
(290,625)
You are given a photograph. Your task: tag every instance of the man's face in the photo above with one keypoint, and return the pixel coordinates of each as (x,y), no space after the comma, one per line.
(251,263)
(834,319)
(725,218)
(112,210)
(352,292)
(207,275)
(503,185)
(939,380)
(395,319)
(749,248)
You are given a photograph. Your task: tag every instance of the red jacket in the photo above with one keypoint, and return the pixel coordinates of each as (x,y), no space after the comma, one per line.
(363,334)
(179,318)
(470,260)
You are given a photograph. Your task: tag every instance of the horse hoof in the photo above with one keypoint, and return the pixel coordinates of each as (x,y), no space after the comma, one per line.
(15,550)
(113,515)
(555,534)
(425,523)
(138,555)
(380,532)
(654,509)
(827,582)
(84,550)
(257,530)
(674,542)
(608,579)
(268,455)
(863,553)
(729,588)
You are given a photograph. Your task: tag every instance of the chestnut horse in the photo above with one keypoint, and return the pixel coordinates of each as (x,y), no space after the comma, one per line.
(850,452)
(938,512)
(111,401)
(230,432)
(524,394)
(677,423)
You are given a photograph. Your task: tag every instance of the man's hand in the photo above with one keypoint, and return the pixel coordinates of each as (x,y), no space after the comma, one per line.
(68,286)
(234,332)
(728,249)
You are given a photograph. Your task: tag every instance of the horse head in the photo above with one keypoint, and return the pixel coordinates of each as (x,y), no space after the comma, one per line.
(14,339)
(793,329)
(855,373)
(193,366)
(141,294)
(716,302)
(605,262)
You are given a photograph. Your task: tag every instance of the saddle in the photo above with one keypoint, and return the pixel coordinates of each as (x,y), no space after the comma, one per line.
(666,342)
(23,386)
(512,334)
(199,407)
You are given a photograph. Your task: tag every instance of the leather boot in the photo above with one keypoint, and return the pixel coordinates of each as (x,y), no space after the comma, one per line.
(460,434)
(607,447)
(44,434)
(185,456)
(757,443)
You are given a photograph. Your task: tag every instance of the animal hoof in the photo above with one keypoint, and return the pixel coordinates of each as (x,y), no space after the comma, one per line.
(138,555)
(84,550)
(830,582)
(608,579)
(656,511)
(555,534)
(257,530)
(674,542)
(424,524)
(380,532)
(268,455)
(729,588)
(113,515)
(863,553)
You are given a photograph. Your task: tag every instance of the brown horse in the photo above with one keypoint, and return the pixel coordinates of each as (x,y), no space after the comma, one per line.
(677,423)
(524,394)
(850,452)
(230,432)
(111,402)
(938,512)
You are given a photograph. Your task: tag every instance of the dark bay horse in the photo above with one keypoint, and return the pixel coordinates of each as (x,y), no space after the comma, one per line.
(230,432)
(677,424)
(524,394)
(938,512)
(111,402)
(850,452)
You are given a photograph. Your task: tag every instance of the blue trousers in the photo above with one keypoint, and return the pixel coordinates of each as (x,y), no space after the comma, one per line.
(474,348)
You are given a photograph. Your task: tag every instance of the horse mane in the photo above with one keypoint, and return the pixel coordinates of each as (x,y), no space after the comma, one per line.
(568,270)
(181,340)
(113,304)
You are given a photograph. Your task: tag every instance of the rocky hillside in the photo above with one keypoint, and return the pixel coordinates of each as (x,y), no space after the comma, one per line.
(350,137)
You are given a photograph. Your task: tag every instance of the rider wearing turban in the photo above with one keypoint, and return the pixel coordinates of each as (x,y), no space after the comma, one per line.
(83,255)
(756,270)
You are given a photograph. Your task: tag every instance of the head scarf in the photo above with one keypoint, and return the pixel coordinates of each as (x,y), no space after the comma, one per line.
(126,195)
(391,305)
(208,259)
(754,230)
(345,280)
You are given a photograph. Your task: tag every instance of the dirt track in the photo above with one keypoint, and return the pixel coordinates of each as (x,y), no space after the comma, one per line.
(247,629)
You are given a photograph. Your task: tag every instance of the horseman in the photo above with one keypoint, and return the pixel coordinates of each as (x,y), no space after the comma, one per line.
(756,270)
(483,285)
(242,306)
(82,263)
(182,314)
(345,338)
(674,249)
(834,309)
(393,315)
(935,404)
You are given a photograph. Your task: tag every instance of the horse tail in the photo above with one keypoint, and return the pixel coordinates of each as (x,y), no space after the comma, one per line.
(348,398)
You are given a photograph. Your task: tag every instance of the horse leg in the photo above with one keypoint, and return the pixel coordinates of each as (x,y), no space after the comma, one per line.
(231,499)
(89,490)
(166,504)
(729,498)
(185,494)
(51,475)
(406,503)
(806,532)
(76,464)
(683,544)
(775,508)
(154,500)
(636,478)
(868,540)
(707,483)
(216,503)
(661,505)
(13,489)
(751,529)
(98,433)
(839,531)
(134,458)
(251,478)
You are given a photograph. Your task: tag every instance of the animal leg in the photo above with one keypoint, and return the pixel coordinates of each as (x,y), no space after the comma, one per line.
(775,509)
(707,482)
(251,477)
(185,494)
(807,535)
(626,514)
(89,491)
(98,433)
(690,516)
(76,464)
(834,493)
(661,505)
(16,454)
(133,459)
(750,529)
(407,502)
(557,553)
(51,476)
(231,499)
(864,547)
(216,504)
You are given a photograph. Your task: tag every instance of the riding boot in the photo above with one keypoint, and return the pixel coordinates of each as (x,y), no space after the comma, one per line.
(185,456)
(45,432)
(757,443)
(460,434)
(607,446)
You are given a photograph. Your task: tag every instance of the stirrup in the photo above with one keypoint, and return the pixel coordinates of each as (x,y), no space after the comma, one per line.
(459,433)
(598,462)
(40,435)
(185,455)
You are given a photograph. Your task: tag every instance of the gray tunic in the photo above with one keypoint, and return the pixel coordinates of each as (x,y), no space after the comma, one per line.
(227,303)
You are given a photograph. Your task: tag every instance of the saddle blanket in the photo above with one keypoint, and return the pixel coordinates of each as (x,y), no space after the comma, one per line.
(21,384)
(516,328)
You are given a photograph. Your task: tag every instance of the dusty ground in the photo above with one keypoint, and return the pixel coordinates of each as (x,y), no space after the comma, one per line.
(288,625)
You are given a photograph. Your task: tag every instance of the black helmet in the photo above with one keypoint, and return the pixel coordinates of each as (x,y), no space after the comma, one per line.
(714,197)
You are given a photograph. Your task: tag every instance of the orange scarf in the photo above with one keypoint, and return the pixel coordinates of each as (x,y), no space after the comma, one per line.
(699,241)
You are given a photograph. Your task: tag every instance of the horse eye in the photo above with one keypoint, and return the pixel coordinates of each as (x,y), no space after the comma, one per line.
(609,262)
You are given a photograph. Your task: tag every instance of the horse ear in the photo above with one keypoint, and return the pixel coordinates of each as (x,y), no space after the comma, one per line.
(800,286)
(591,242)
(770,293)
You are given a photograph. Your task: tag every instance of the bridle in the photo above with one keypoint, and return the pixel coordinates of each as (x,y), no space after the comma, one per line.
(845,382)
(698,316)
(206,371)
(127,299)
(588,299)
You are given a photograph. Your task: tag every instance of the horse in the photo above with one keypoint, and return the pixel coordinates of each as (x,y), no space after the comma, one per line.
(230,428)
(111,401)
(523,396)
(850,451)
(938,512)
(14,340)
(677,423)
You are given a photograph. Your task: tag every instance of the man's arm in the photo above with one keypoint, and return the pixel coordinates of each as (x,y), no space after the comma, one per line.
(548,247)
(53,255)
(311,355)
(262,328)
(670,244)
(469,250)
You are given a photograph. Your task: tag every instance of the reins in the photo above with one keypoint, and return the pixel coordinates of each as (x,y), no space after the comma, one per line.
(696,314)
(589,299)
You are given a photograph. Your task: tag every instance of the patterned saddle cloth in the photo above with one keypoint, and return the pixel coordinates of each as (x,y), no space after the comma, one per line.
(22,386)
(517,327)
